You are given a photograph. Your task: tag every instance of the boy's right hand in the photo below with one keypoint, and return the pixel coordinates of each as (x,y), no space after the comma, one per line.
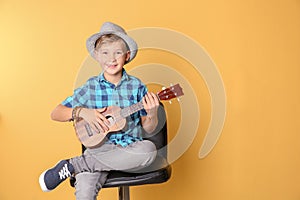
(95,118)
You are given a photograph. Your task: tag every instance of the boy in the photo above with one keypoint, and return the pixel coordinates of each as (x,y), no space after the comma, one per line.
(122,150)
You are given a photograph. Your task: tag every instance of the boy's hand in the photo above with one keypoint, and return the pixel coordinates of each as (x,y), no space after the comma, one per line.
(95,118)
(151,104)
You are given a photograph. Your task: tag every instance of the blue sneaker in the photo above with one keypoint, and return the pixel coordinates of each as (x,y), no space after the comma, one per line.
(51,178)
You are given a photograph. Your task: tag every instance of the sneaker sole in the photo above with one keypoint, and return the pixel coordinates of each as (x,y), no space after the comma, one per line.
(42,182)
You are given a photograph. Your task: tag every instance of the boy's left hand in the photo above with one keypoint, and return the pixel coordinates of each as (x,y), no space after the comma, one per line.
(151,103)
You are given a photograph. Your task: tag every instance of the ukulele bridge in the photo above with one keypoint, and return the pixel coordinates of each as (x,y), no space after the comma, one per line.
(88,130)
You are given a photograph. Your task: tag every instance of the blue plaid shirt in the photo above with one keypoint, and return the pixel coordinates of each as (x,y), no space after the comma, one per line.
(99,93)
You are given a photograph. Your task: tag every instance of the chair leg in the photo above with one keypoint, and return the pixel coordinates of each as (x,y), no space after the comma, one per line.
(124,193)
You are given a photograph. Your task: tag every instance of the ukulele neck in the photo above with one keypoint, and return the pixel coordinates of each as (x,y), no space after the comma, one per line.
(166,94)
(125,112)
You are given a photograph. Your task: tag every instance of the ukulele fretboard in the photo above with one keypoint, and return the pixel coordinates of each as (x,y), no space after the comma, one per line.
(125,112)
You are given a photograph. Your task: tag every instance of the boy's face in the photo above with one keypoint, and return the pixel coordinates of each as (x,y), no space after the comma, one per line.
(112,57)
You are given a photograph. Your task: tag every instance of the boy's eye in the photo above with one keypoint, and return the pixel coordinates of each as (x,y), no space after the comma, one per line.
(119,52)
(104,52)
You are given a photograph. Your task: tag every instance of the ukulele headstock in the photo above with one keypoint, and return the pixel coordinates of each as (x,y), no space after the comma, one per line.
(174,91)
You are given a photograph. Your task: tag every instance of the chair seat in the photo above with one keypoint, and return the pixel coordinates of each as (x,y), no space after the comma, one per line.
(118,178)
(159,171)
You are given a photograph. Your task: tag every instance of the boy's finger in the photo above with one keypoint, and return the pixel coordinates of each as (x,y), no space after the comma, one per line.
(102,117)
(97,128)
(103,123)
(102,110)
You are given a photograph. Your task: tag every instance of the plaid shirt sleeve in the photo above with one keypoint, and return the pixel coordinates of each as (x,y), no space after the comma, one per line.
(80,96)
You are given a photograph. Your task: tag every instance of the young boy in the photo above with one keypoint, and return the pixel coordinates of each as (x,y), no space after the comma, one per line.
(122,150)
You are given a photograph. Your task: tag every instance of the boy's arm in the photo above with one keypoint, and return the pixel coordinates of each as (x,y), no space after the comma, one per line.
(151,104)
(149,123)
(61,113)
(94,117)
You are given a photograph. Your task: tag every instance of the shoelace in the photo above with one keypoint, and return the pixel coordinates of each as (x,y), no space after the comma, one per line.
(64,172)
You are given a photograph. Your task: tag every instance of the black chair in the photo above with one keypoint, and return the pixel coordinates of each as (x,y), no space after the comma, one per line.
(158,172)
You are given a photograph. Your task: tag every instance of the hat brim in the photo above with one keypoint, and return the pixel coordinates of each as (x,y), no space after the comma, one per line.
(133,48)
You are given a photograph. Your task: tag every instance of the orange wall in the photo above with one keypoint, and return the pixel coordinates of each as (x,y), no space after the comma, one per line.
(255,45)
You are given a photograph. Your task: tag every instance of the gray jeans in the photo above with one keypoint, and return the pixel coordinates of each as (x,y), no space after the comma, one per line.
(91,168)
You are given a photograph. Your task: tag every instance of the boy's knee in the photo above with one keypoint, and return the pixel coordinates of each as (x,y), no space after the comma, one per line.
(150,151)
(148,146)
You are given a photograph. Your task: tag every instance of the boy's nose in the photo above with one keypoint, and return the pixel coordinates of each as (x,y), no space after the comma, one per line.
(112,57)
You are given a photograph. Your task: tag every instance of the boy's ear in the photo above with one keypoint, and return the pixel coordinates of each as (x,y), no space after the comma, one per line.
(96,54)
(127,56)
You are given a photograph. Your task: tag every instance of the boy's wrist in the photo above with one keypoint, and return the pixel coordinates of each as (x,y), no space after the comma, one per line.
(76,112)
(152,118)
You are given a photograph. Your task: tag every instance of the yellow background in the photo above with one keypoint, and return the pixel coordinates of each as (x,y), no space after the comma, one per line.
(255,45)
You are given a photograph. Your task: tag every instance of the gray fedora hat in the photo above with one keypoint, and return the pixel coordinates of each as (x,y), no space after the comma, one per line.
(111,28)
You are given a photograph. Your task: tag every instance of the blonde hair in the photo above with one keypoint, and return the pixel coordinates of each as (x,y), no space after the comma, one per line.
(109,38)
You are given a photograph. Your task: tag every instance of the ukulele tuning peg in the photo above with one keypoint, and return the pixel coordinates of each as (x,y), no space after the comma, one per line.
(171,86)
(170,102)
(178,99)
(163,88)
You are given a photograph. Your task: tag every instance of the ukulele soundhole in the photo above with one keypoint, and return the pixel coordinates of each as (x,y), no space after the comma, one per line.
(111,120)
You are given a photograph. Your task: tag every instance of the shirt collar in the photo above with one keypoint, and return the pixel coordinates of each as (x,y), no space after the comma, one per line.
(125,76)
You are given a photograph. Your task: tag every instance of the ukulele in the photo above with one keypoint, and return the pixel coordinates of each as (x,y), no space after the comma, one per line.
(117,118)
